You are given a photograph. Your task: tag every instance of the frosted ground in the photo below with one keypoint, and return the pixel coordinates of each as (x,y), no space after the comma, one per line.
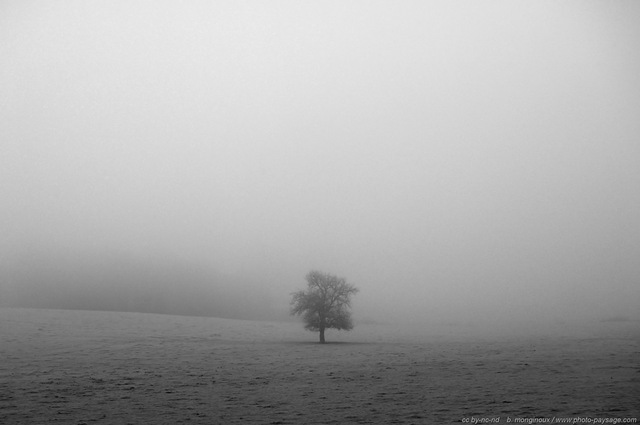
(81,367)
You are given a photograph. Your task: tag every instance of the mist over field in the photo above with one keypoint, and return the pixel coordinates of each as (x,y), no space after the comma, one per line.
(460,163)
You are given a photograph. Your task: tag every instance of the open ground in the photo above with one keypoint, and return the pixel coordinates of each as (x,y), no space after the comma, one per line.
(82,367)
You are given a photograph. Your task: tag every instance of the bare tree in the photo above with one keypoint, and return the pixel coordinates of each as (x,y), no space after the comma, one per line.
(325,303)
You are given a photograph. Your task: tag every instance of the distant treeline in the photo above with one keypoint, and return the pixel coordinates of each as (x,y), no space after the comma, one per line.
(115,283)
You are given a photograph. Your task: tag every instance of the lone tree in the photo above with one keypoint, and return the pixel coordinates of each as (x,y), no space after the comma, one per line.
(325,303)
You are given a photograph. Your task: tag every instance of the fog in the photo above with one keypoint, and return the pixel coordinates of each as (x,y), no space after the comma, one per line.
(458,162)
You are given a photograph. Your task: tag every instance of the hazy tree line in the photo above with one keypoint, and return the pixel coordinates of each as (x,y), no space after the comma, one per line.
(119,284)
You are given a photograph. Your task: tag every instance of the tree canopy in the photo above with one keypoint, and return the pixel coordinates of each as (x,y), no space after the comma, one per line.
(325,303)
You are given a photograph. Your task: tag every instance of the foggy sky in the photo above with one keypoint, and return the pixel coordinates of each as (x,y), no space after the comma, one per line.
(454,160)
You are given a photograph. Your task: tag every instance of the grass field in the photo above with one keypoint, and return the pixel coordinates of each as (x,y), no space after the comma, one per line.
(82,367)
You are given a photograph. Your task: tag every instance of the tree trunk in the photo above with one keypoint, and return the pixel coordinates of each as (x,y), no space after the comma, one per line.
(321,335)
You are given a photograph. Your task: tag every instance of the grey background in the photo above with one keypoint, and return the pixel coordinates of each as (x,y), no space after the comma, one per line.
(460,162)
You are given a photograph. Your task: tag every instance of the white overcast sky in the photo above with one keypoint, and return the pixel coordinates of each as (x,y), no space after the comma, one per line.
(450,158)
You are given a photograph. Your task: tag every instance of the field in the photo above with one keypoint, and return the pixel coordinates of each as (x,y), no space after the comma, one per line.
(81,367)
